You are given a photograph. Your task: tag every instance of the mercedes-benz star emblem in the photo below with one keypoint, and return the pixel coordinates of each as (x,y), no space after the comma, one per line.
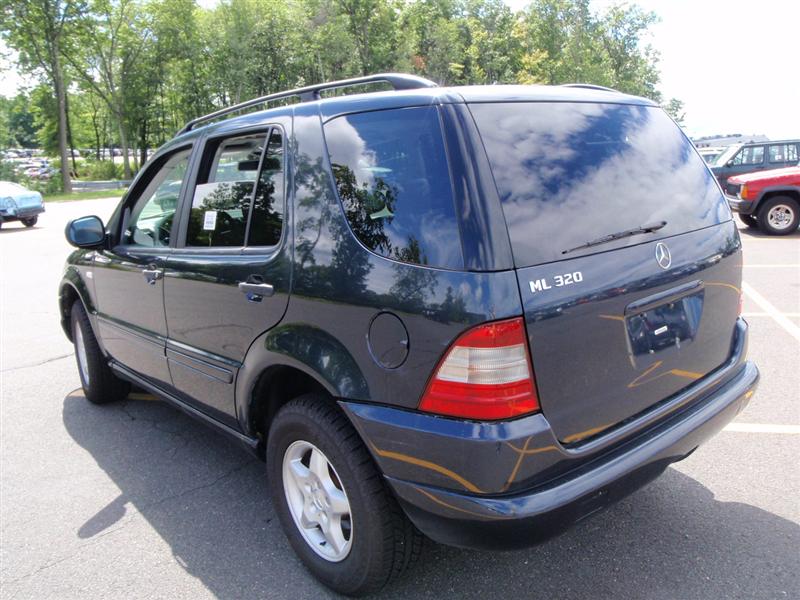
(663,257)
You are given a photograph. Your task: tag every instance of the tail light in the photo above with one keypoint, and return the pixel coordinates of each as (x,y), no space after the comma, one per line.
(486,374)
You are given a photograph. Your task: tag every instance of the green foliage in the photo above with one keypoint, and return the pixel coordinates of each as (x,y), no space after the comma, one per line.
(675,110)
(45,186)
(7,172)
(103,170)
(137,70)
(17,129)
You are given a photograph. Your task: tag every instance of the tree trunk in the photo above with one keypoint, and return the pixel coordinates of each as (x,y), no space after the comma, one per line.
(123,142)
(69,137)
(143,143)
(61,97)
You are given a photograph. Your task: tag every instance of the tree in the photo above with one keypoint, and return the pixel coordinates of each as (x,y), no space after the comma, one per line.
(38,30)
(110,45)
(675,110)
(17,127)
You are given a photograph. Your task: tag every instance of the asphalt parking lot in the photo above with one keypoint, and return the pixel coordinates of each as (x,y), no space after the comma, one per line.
(136,500)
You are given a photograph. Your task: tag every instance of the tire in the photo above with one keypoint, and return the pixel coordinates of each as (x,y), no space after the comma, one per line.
(382,542)
(779,215)
(100,385)
(30,222)
(748,220)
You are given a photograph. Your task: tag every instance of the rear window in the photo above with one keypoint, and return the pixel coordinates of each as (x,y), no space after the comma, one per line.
(568,173)
(393,180)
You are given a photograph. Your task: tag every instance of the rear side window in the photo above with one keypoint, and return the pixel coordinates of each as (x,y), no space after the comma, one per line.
(393,179)
(780,153)
(568,173)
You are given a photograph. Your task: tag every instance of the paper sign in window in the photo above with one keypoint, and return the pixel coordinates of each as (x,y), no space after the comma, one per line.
(210,220)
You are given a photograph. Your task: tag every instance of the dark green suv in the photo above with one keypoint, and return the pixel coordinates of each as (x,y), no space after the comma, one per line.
(480,314)
(739,159)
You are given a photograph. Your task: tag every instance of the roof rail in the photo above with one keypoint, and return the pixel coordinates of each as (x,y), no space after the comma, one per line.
(590,86)
(309,93)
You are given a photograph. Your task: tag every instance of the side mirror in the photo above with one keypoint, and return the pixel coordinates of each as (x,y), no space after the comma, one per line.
(86,232)
(729,163)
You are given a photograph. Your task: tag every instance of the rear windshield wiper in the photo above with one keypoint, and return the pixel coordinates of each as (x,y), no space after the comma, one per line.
(649,228)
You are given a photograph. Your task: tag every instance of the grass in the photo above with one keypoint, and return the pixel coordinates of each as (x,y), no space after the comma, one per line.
(90,195)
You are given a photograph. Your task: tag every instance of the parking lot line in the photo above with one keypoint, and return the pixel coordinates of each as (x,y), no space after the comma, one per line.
(773,312)
(762,428)
(763,314)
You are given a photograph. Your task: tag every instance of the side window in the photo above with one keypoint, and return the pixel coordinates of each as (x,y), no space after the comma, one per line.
(393,180)
(267,219)
(781,153)
(224,191)
(749,155)
(149,222)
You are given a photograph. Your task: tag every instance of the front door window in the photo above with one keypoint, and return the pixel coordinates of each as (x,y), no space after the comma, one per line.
(149,222)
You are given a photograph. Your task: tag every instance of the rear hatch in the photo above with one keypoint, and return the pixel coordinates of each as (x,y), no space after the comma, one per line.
(614,327)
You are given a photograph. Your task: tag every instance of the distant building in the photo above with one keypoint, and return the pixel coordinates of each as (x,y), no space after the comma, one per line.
(711,141)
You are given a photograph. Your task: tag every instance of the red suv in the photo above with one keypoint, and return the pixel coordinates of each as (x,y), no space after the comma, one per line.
(769,200)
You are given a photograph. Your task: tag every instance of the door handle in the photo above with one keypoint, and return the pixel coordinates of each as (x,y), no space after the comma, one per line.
(152,274)
(256,291)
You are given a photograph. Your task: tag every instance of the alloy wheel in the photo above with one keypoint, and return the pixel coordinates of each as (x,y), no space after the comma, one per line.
(317,501)
(781,216)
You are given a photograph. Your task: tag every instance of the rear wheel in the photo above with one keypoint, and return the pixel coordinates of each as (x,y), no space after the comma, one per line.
(30,222)
(748,220)
(99,383)
(333,504)
(779,215)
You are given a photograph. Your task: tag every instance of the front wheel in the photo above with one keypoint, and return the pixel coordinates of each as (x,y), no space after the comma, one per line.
(780,215)
(333,504)
(30,222)
(99,383)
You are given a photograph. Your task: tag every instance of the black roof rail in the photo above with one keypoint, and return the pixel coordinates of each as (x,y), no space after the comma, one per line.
(309,93)
(590,86)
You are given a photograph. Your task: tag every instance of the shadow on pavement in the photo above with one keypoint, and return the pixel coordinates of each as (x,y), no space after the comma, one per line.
(755,233)
(11,227)
(208,500)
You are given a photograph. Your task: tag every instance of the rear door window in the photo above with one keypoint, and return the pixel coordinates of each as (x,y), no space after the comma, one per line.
(568,173)
(221,200)
(393,180)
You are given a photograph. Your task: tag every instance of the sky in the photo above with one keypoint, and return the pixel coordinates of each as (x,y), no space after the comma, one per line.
(734,64)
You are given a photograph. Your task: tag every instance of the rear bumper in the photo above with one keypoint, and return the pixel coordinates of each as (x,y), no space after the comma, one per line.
(509,485)
(744,207)
(524,519)
(21,213)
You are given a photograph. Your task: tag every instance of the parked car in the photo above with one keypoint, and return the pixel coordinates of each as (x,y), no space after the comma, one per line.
(711,154)
(769,200)
(18,203)
(749,158)
(479,313)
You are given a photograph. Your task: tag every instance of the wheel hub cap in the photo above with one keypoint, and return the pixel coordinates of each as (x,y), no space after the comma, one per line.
(781,216)
(317,501)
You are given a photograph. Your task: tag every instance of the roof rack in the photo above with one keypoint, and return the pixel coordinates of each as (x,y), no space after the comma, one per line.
(590,86)
(309,93)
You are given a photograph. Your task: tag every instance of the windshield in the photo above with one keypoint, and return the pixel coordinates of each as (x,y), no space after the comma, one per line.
(726,155)
(568,173)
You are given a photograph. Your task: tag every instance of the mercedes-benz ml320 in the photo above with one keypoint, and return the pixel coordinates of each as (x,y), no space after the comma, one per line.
(480,314)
